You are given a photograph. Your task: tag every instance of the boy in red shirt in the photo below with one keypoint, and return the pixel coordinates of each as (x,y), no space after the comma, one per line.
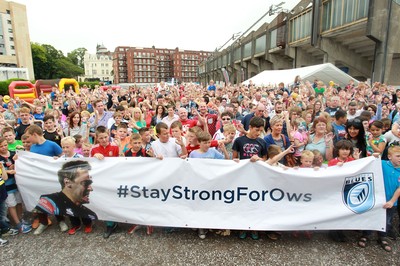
(103,149)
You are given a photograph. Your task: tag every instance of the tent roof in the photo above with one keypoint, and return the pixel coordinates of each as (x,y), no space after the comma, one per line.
(324,72)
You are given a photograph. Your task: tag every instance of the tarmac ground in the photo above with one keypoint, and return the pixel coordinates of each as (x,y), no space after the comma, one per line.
(184,247)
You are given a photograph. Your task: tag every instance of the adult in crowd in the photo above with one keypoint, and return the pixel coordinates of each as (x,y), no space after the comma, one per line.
(159,115)
(321,139)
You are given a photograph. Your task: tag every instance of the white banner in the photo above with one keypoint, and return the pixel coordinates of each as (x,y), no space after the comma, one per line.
(203,193)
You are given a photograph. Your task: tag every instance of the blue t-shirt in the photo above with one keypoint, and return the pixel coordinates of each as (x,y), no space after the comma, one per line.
(48,148)
(390,178)
(211,88)
(210,154)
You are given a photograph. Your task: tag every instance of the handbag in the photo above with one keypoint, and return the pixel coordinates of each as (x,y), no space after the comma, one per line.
(290,159)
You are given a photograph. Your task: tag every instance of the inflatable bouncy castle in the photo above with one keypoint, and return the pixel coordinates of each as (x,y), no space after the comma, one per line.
(24,90)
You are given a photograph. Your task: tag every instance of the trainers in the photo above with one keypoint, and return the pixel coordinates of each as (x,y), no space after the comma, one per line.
(25,228)
(10,232)
(73,230)
(254,235)
(150,229)
(88,229)
(63,226)
(3,242)
(40,229)
(35,223)
(110,230)
(133,229)
(242,235)
(202,233)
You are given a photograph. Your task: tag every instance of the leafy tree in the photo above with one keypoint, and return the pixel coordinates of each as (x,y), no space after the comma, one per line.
(50,63)
(77,56)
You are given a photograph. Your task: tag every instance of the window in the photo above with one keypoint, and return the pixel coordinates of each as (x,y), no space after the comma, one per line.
(94,72)
(11,39)
(12,47)
(8,21)
(8,11)
(10,31)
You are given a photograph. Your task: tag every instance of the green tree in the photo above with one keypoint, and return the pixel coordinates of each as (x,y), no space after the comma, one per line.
(50,63)
(77,56)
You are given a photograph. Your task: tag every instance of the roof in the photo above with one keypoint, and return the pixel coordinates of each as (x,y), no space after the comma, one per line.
(324,72)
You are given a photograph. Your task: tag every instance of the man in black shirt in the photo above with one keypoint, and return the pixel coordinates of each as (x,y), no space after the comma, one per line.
(76,186)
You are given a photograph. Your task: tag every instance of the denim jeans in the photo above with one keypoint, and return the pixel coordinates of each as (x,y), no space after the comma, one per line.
(3,217)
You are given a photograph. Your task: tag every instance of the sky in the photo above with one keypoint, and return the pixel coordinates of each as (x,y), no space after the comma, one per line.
(190,25)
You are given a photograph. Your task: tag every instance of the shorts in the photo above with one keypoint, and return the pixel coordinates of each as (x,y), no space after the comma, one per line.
(13,199)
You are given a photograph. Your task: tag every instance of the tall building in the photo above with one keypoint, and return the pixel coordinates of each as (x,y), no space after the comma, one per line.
(100,65)
(153,65)
(359,37)
(15,45)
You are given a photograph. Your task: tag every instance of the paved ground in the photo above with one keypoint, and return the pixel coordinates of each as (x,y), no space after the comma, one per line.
(185,248)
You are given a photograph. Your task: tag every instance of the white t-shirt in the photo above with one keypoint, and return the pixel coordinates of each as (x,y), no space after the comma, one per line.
(168,149)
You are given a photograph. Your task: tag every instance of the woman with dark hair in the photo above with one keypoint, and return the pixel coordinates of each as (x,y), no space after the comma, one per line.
(159,115)
(75,125)
(356,134)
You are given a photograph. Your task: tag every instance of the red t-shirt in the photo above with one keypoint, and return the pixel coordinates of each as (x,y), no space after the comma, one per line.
(188,123)
(214,143)
(336,160)
(111,150)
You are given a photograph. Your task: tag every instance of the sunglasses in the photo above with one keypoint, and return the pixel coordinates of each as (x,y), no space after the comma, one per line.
(226,119)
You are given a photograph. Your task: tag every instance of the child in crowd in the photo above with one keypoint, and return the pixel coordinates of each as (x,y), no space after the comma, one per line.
(51,132)
(86,148)
(137,150)
(229,135)
(146,137)
(103,149)
(192,141)
(376,142)
(26,143)
(9,134)
(121,138)
(38,113)
(78,144)
(4,226)
(306,161)
(14,199)
(68,147)
(25,122)
(204,152)
(117,118)
(258,152)
(176,131)
(391,173)
(300,137)
(344,152)
(275,154)
(318,160)
(339,125)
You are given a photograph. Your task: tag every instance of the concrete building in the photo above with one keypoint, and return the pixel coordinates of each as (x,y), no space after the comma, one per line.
(358,36)
(153,65)
(15,44)
(100,65)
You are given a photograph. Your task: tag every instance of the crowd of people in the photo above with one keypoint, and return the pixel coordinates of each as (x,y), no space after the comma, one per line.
(303,125)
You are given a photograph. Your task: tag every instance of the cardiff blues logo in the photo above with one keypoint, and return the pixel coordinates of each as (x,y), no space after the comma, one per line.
(358,192)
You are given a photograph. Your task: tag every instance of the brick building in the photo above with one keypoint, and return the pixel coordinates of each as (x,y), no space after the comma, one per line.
(153,65)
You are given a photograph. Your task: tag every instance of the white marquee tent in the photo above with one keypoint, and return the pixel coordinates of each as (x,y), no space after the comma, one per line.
(324,72)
